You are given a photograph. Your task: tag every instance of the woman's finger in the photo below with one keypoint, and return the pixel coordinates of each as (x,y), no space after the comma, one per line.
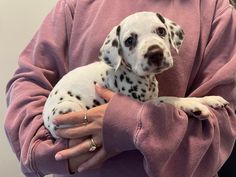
(71,118)
(76,132)
(76,150)
(94,161)
(74,162)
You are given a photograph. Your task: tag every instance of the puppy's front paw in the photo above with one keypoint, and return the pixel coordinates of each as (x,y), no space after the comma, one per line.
(214,101)
(191,106)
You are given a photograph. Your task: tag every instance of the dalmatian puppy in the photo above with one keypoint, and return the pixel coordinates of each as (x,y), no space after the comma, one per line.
(133,53)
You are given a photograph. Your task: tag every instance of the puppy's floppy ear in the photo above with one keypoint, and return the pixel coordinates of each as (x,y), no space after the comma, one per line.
(175,32)
(110,51)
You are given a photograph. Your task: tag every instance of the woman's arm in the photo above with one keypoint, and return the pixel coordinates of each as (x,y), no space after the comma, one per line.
(41,65)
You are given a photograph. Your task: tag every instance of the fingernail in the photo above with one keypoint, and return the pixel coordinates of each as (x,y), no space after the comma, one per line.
(58,157)
(81,169)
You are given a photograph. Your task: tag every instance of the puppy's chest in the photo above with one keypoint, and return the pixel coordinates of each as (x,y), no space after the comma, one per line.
(127,83)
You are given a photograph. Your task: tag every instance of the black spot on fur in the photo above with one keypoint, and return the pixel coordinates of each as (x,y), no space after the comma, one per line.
(121,77)
(107,42)
(78,97)
(161,18)
(94,82)
(96,102)
(87,107)
(56,92)
(69,93)
(172,34)
(119,51)
(130,90)
(170,40)
(135,88)
(178,43)
(134,95)
(54,111)
(173,23)
(115,83)
(128,80)
(197,113)
(142,77)
(107,60)
(180,35)
(61,98)
(60,112)
(118,31)
(115,43)
(143,90)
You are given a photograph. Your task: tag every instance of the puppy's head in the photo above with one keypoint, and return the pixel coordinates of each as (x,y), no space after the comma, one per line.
(143,42)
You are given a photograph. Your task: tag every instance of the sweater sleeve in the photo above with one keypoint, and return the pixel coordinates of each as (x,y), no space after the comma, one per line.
(172,143)
(41,65)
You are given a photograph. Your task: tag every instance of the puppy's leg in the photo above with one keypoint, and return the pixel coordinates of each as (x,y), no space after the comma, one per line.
(196,107)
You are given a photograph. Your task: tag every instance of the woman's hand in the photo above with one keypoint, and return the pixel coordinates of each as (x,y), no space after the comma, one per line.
(83,133)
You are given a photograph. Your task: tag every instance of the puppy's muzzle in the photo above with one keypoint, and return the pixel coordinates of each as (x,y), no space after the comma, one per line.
(154,55)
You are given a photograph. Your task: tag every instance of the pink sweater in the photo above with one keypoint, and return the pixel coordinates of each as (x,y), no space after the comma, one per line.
(154,141)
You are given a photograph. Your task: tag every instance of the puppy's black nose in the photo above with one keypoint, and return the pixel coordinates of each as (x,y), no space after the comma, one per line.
(154,54)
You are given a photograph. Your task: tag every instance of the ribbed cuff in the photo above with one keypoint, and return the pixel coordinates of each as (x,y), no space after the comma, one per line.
(121,124)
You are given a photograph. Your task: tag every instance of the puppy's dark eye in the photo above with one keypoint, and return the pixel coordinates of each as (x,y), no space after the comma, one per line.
(161,31)
(130,41)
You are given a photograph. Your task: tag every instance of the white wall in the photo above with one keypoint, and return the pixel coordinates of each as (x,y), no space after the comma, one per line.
(19,20)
